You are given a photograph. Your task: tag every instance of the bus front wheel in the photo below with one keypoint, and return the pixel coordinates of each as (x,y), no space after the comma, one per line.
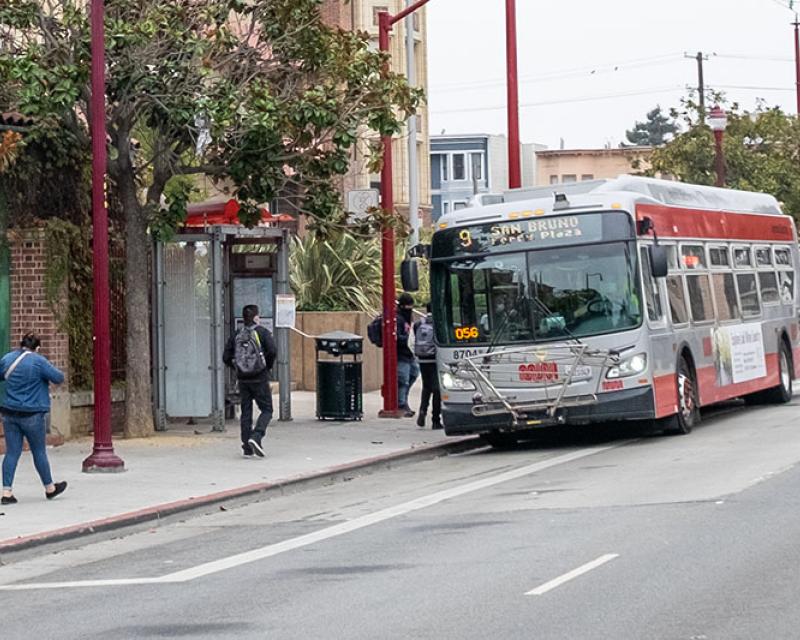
(688,409)
(500,440)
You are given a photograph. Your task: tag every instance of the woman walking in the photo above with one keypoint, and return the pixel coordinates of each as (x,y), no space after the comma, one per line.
(27,375)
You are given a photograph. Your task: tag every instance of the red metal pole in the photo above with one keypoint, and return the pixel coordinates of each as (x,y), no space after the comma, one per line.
(514,169)
(797,59)
(102,457)
(390,408)
(719,159)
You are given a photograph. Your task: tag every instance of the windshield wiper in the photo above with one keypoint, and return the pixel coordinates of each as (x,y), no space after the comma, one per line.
(543,307)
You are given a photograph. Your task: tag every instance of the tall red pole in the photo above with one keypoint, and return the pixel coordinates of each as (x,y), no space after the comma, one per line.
(797,59)
(102,457)
(514,169)
(390,407)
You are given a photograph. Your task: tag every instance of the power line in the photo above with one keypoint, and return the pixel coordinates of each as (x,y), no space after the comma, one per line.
(569,100)
(567,73)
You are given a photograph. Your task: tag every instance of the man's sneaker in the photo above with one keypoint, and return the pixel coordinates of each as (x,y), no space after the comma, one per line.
(436,425)
(247,450)
(60,487)
(409,412)
(255,444)
(421,420)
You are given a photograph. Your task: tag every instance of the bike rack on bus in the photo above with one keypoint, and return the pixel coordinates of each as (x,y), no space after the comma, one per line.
(488,370)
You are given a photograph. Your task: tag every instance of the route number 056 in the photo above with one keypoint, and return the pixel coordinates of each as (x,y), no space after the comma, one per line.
(466,333)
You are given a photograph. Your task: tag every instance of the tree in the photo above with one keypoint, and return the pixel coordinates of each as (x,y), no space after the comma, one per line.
(653,132)
(260,95)
(761,147)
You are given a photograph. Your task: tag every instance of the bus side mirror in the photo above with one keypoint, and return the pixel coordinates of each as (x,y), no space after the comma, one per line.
(409,275)
(659,263)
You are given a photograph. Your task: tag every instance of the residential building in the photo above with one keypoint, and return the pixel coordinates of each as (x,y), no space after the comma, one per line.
(575,165)
(362,15)
(465,165)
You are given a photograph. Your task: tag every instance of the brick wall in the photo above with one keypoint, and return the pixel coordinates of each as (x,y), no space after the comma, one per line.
(337,13)
(31,312)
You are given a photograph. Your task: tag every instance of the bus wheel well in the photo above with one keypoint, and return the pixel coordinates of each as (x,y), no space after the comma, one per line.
(686,354)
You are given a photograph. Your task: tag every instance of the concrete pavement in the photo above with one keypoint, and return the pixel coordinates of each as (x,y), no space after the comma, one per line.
(189,466)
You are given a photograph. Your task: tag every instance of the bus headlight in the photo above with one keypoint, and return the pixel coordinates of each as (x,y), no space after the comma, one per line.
(630,367)
(454,383)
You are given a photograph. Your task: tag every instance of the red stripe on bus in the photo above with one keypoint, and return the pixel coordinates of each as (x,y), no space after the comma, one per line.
(666,391)
(672,222)
(797,363)
(710,392)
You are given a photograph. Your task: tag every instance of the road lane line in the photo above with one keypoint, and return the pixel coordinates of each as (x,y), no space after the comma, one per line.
(223,564)
(586,568)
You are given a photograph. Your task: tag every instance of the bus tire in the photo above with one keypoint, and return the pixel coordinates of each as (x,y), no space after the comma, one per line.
(688,415)
(782,393)
(500,440)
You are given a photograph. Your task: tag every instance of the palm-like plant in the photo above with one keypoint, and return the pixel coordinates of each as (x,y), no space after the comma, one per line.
(338,273)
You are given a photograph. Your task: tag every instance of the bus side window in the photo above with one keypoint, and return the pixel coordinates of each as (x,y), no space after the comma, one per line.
(652,294)
(748,294)
(677,300)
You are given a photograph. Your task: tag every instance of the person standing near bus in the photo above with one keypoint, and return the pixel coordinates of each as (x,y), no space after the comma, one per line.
(407,367)
(27,375)
(425,350)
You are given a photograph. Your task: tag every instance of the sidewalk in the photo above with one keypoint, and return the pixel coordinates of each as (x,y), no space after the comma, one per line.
(189,465)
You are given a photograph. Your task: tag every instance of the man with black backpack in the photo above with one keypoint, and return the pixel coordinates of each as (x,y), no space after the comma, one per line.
(251,351)
(425,350)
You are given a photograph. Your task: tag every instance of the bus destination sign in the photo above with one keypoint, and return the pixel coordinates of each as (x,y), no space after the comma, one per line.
(539,233)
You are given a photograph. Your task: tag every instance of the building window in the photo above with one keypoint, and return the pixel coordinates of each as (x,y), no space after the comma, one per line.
(459,167)
(445,207)
(457,206)
(445,168)
(553,179)
(416,18)
(477,166)
(569,177)
(375,11)
(587,176)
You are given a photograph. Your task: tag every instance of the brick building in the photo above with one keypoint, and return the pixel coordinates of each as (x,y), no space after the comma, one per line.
(362,15)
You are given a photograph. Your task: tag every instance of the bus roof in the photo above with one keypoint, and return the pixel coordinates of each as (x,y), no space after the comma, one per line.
(631,188)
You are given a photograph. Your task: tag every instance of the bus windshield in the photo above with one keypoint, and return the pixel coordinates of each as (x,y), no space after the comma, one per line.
(539,295)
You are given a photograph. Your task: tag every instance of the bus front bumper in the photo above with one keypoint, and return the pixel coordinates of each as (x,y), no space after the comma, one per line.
(630,404)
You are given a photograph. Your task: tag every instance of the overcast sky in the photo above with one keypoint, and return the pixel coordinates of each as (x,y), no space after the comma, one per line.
(573,51)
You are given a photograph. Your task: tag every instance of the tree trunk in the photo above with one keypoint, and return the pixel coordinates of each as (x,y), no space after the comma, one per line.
(138,392)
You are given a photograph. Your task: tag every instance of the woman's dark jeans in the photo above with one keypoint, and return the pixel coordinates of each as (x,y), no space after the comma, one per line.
(31,427)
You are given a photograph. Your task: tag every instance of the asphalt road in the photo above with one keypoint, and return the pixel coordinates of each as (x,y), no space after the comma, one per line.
(581,534)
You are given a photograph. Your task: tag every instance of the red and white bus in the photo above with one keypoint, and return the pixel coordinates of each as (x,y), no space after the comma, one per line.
(625,299)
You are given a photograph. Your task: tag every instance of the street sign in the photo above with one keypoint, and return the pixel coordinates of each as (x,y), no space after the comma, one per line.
(285,310)
(360,201)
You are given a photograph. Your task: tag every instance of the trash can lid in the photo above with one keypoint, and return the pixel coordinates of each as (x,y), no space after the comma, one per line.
(339,335)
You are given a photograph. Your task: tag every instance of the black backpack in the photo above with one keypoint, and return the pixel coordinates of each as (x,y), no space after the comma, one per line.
(248,353)
(375,331)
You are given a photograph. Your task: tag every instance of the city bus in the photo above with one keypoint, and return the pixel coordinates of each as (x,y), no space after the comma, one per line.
(625,299)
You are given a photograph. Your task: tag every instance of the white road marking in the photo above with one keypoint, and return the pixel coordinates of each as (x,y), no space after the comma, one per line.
(247,557)
(586,568)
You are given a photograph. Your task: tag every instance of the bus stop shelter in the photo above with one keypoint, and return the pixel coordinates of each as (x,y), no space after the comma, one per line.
(202,278)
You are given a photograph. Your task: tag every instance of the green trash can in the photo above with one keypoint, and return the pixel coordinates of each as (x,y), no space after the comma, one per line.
(339,395)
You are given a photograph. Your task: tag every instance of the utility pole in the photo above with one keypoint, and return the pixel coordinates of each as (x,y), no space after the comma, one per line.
(796,24)
(701,85)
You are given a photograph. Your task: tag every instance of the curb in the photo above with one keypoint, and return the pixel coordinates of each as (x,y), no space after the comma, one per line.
(158,512)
